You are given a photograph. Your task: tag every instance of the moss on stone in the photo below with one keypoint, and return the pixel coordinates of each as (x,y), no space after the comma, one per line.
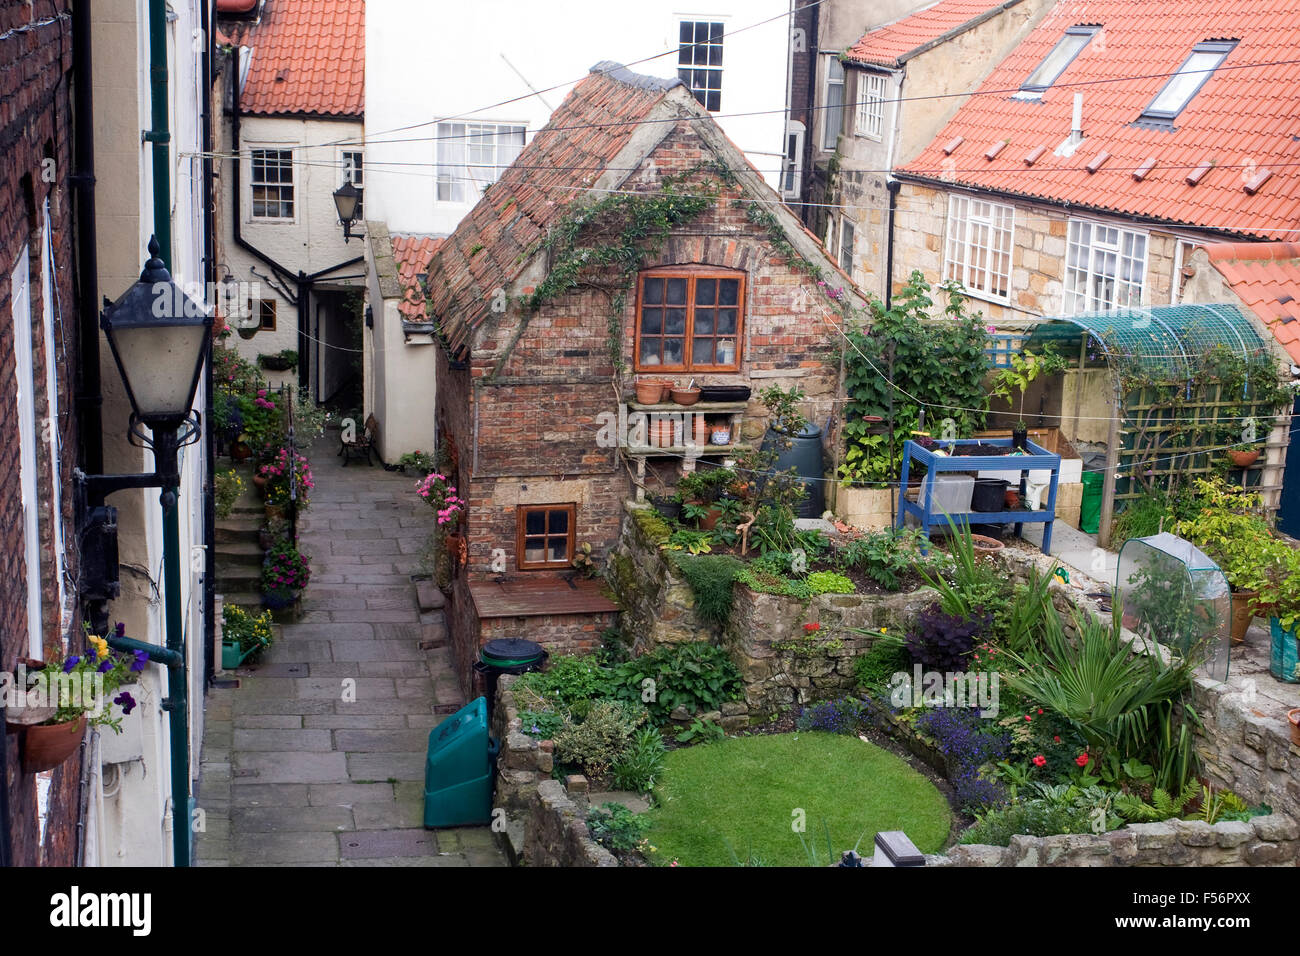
(653,527)
(621,577)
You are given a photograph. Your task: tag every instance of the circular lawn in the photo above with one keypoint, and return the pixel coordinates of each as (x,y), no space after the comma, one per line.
(723,803)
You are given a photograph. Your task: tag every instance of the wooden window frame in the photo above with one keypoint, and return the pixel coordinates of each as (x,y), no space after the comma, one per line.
(521,523)
(263,312)
(691,274)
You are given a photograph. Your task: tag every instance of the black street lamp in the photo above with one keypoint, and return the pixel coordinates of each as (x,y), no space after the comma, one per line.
(346,199)
(159,337)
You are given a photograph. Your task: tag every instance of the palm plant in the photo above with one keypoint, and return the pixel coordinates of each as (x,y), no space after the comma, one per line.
(1120,701)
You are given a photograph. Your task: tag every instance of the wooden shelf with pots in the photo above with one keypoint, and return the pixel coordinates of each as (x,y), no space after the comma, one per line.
(734,412)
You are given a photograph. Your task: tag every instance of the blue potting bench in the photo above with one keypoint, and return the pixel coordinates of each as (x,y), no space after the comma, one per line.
(1036,458)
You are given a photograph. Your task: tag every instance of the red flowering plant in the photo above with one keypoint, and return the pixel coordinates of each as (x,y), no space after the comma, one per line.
(286,569)
(1045,741)
(279,471)
(440,494)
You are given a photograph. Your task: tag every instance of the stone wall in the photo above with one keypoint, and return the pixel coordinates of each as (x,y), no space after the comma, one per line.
(549,828)
(1263,841)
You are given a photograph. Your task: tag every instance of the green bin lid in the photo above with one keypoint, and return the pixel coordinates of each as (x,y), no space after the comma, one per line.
(510,652)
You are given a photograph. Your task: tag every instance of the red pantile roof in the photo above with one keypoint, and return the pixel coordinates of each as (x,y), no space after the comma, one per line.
(413,254)
(1244,122)
(487,249)
(895,43)
(1266,277)
(308,57)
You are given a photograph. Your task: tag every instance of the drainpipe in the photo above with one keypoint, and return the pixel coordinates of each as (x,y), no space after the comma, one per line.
(89,398)
(893,185)
(176,703)
(209,438)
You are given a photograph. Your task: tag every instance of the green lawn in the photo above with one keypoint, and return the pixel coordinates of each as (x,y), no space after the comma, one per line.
(742,792)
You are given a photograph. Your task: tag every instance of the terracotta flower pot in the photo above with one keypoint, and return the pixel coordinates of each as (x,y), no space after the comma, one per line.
(240,451)
(47,746)
(710,521)
(1243,612)
(685,396)
(1243,459)
(649,392)
(662,433)
(983,544)
(1293,718)
(260,482)
(1011,497)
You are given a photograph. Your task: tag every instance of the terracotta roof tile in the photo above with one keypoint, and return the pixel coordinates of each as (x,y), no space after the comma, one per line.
(890,45)
(1243,119)
(487,249)
(1266,277)
(413,254)
(308,56)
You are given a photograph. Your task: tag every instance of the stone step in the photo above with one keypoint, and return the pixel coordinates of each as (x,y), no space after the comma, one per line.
(239,528)
(243,551)
(245,599)
(239,579)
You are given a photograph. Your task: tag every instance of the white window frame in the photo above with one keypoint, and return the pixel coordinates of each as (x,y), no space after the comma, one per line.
(869,117)
(1085,289)
(971,250)
(849,234)
(792,172)
(458,173)
(686,71)
(292,184)
(354,172)
(20,296)
(829,142)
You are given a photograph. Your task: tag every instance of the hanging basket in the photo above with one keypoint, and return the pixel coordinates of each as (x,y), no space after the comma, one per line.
(47,746)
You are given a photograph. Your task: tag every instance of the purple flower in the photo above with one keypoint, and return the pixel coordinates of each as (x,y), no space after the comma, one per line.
(119,630)
(107,666)
(70,663)
(90,655)
(125,701)
(141,658)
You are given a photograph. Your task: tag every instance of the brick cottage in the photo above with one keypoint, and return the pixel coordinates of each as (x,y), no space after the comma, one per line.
(529,394)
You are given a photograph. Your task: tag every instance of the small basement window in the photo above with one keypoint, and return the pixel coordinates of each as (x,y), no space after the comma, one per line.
(1055,63)
(544,536)
(1191,76)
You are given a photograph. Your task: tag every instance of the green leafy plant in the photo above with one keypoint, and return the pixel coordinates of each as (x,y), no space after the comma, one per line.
(886,556)
(248,630)
(877,666)
(701,732)
(565,680)
(1163,806)
(617,828)
(711,578)
(698,676)
(1046,810)
(542,724)
(692,542)
(1024,369)
(229,486)
(1219,805)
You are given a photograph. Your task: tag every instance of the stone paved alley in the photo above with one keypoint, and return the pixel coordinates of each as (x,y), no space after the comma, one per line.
(292,774)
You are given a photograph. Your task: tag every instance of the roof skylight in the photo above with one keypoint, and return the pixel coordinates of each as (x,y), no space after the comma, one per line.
(1054,64)
(1178,91)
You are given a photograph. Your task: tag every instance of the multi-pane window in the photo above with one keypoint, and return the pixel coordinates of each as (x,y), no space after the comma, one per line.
(266,315)
(272,182)
(354,173)
(689,321)
(474,155)
(1191,76)
(1104,267)
(870,120)
(792,175)
(978,250)
(833,113)
(1060,57)
(699,61)
(544,536)
(846,246)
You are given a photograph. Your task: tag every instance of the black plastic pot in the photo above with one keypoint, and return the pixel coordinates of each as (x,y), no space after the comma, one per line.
(1018,437)
(989,494)
(670,508)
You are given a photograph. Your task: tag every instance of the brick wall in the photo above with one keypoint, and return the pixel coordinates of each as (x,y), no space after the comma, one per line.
(35,138)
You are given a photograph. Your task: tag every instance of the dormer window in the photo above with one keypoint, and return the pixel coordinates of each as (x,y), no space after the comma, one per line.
(1191,76)
(1054,64)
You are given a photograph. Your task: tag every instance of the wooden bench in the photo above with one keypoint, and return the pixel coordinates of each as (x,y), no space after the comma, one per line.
(361,445)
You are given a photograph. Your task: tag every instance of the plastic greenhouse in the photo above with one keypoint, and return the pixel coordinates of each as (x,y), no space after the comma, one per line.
(1177,596)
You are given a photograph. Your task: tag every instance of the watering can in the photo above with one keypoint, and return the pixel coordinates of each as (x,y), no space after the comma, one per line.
(232,656)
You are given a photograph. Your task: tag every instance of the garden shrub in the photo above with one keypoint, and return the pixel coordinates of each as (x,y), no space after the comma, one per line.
(598,739)
(711,577)
(542,724)
(968,742)
(885,556)
(943,642)
(1060,809)
(642,763)
(766,582)
(876,667)
(617,828)
(698,676)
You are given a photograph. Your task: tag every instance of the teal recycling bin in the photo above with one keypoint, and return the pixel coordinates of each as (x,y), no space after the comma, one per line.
(459,768)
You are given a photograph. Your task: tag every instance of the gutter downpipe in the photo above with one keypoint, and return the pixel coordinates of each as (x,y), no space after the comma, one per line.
(893,185)
(176,704)
(209,437)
